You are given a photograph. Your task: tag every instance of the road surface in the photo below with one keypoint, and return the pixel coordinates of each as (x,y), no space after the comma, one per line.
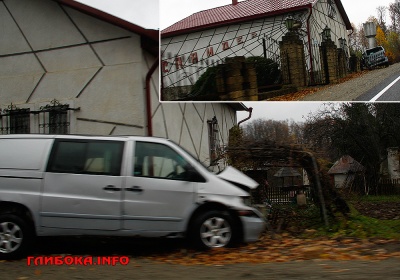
(381,84)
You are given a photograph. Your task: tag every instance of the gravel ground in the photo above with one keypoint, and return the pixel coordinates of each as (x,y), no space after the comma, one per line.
(350,90)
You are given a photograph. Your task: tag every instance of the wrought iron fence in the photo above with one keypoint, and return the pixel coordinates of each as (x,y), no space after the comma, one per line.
(287,195)
(386,187)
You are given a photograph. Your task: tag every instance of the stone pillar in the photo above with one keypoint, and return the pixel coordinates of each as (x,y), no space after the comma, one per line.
(237,80)
(354,63)
(330,61)
(293,60)
(342,63)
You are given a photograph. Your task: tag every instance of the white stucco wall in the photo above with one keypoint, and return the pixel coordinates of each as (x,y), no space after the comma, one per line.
(75,59)
(186,124)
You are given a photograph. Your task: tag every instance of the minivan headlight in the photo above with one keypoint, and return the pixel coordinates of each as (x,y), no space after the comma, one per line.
(246,200)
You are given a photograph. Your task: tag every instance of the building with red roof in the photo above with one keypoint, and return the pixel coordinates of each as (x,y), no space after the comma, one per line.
(246,28)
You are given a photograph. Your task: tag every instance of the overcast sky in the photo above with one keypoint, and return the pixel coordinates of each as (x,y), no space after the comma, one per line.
(144,13)
(281,111)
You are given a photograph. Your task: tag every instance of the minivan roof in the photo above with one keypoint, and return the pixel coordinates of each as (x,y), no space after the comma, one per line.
(76,136)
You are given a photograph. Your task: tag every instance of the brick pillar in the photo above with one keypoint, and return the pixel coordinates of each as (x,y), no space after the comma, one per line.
(293,60)
(237,80)
(330,61)
(342,63)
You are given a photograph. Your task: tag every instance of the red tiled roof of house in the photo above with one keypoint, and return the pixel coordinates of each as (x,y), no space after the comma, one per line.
(242,11)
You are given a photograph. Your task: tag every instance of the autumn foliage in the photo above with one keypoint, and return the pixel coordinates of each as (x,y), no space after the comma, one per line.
(285,248)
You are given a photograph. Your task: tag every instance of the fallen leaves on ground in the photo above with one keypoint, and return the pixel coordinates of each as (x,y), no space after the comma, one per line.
(311,90)
(284,248)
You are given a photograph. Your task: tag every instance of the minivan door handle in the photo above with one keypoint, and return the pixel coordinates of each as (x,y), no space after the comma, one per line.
(134,189)
(112,188)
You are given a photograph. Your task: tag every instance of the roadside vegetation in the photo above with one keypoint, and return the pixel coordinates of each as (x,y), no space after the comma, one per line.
(363,131)
(388,33)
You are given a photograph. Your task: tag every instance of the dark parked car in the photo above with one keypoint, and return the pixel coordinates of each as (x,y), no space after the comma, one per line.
(374,57)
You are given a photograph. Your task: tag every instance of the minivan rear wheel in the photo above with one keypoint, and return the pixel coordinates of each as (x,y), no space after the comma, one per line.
(213,229)
(15,236)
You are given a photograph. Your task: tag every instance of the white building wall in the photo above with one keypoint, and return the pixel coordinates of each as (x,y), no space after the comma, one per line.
(320,19)
(186,124)
(243,39)
(75,59)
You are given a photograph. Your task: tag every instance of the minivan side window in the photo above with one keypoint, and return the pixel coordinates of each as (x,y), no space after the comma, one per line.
(86,157)
(159,161)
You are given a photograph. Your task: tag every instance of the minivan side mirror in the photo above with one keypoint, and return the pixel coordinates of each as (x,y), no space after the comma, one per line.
(193,175)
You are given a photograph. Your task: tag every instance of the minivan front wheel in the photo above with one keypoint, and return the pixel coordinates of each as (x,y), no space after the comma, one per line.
(14,236)
(213,229)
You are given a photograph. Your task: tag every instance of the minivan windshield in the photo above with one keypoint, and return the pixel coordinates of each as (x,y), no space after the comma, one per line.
(190,154)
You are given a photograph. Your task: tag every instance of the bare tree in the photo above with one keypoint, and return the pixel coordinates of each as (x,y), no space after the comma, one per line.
(381,10)
(394,13)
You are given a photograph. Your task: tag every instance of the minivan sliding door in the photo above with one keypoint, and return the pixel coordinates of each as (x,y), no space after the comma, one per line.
(82,185)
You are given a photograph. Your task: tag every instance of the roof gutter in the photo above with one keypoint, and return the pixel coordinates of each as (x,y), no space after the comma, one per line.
(250,110)
(148,97)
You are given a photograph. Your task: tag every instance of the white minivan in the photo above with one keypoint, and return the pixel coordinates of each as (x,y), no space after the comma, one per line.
(53,185)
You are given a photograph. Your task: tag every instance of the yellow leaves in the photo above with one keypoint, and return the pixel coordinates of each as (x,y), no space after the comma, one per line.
(380,37)
(285,249)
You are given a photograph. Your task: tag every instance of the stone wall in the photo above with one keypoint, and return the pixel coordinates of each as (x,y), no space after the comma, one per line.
(237,80)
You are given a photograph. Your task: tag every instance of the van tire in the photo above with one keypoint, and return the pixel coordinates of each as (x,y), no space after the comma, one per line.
(213,229)
(15,236)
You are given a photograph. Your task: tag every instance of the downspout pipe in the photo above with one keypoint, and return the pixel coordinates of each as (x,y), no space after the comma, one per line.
(148,97)
(250,110)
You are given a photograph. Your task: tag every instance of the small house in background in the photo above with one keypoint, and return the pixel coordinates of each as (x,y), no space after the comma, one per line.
(344,170)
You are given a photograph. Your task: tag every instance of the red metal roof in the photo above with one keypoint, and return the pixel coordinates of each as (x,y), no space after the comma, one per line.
(242,11)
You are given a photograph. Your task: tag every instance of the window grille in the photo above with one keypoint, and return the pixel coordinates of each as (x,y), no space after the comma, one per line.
(15,120)
(53,118)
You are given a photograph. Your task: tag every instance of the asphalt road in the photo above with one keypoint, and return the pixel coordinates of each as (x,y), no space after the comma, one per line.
(387,90)
(381,84)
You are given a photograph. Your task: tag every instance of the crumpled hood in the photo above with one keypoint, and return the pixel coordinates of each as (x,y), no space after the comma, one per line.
(237,178)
